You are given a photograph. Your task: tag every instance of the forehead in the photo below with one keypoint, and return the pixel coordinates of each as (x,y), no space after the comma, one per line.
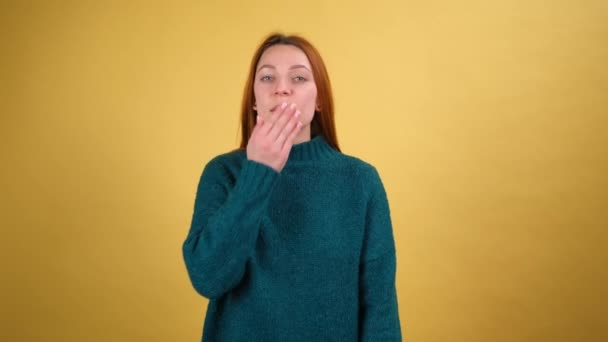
(283,55)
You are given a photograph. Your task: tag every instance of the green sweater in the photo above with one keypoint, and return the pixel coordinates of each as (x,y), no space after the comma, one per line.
(306,254)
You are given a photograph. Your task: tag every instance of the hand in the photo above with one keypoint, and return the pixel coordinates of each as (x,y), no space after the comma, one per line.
(271,141)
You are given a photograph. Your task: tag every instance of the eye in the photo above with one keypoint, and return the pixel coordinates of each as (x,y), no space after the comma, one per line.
(266,78)
(299,79)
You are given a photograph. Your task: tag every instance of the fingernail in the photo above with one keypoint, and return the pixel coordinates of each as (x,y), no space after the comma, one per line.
(297,113)
(292,106)
(283,105)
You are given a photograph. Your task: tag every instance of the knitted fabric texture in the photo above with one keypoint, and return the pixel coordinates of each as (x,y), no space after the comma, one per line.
(306,254)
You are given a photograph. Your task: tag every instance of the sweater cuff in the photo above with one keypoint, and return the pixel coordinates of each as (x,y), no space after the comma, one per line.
(255,178)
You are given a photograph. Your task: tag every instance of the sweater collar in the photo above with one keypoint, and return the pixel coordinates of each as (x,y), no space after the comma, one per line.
(314,149)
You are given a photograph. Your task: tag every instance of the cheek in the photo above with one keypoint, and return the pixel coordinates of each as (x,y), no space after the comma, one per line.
(258,93)
(313,101)
(310,104)
(310,100)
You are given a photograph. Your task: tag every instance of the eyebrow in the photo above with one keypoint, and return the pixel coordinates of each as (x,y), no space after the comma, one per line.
(296,66)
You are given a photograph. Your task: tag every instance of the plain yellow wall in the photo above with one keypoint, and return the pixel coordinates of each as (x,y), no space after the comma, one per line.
(486,119)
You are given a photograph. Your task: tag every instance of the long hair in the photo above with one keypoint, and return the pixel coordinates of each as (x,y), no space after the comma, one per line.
(323,121)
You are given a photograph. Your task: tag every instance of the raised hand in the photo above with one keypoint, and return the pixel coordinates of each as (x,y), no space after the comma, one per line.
(271,140)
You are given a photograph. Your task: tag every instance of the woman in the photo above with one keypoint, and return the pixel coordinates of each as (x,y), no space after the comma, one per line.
(291,240)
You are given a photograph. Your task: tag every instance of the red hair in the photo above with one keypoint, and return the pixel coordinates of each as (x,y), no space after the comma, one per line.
(323,121)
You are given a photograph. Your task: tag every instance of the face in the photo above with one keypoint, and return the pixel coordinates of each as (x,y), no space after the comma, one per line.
(284,74)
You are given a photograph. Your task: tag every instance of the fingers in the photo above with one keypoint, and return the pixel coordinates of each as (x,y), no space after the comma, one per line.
(274,116)
(258,125)
(281,127)
(279,132)
(271,141)
(281,121)
(291,137)
(290,126)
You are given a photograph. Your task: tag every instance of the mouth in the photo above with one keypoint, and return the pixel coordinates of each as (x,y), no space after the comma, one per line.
(274,108)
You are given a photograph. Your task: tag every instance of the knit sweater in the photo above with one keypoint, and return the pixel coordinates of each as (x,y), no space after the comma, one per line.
(305,254)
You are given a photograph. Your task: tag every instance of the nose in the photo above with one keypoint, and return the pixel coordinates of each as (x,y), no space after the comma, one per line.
(282,87)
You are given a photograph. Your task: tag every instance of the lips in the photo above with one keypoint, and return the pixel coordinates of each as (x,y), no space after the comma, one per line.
(274,108)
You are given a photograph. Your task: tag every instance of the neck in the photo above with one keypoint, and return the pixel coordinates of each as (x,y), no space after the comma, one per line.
(303,136)
(313,149)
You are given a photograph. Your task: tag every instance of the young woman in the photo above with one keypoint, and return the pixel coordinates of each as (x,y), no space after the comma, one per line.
(291,240)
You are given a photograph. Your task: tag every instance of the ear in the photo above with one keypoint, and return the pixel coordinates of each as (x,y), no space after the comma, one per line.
(255,107)
(318,107)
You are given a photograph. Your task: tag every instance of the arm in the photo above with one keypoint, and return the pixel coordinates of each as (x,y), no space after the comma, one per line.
(225,225)
(226,220)
(379,314)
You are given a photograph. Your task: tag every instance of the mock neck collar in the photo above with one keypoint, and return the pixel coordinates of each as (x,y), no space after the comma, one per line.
(314,149)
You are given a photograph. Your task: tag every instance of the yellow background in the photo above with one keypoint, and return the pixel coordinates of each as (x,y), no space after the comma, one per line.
(486,119)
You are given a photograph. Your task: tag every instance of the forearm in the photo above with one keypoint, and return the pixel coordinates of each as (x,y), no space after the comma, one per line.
(379,306)
(220,241)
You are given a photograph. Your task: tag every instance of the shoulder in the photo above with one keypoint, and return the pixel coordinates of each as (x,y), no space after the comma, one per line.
(366,173)
(363,167)
(224,165)
(235,156)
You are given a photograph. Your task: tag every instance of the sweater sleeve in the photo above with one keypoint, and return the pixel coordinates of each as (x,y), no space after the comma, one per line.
(379,314)
(225,225)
